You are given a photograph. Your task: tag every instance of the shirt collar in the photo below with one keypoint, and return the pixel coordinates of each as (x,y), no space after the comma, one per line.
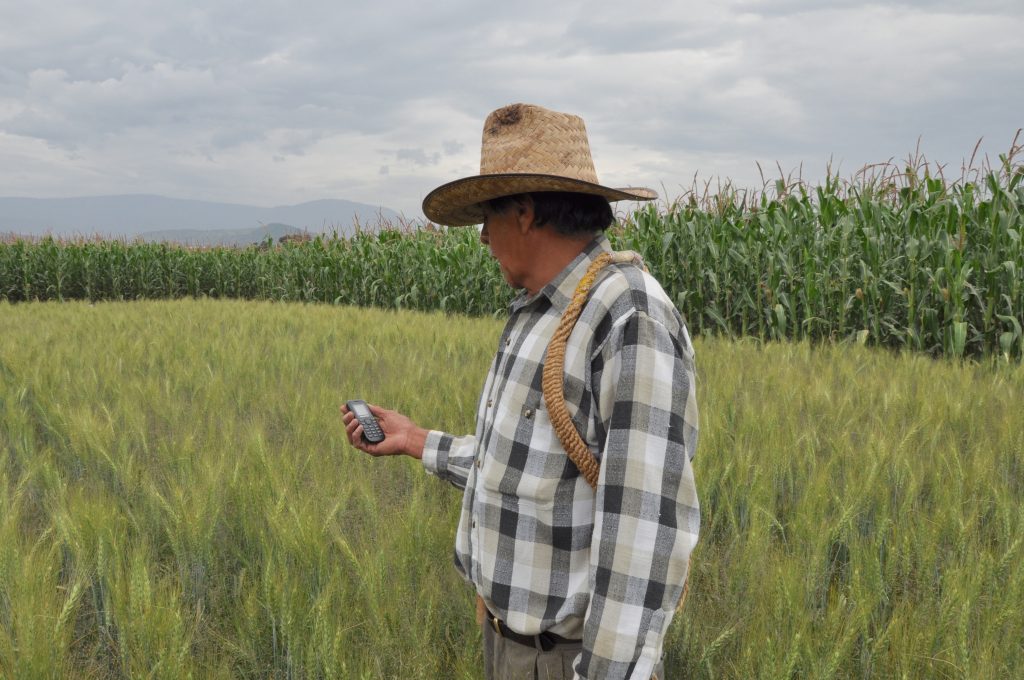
(558,292)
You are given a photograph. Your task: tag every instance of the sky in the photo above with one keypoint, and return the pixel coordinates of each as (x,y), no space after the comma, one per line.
(278,103)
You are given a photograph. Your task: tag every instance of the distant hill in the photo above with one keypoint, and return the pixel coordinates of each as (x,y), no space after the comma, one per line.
(142,215)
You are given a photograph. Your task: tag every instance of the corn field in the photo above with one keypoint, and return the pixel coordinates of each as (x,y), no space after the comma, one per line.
(902,259)
(420,269)
(909,261)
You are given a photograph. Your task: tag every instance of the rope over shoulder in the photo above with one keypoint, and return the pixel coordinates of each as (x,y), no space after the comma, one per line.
(554,366)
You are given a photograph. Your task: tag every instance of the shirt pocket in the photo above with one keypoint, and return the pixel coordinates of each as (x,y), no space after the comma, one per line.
(528,462)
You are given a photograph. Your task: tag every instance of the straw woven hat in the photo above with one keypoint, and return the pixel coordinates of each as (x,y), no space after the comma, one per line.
(525,148)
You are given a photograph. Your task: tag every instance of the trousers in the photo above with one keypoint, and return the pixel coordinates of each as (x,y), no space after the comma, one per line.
(506,659)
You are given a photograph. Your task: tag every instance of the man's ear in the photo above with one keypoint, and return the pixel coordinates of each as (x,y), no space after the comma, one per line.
(525,215)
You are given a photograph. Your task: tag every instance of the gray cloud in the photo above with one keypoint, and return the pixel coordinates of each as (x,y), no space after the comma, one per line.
(975,7)
(452,147)
(282,104)
(418,156)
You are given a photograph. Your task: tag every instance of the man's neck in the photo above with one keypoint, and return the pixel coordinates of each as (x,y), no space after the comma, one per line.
(554,253)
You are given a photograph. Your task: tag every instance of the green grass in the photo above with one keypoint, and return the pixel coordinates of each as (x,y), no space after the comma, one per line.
(178,500)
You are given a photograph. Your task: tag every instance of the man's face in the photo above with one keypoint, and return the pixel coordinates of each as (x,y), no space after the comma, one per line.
(503,232)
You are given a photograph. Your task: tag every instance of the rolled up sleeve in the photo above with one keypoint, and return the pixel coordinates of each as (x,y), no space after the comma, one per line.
(449,457)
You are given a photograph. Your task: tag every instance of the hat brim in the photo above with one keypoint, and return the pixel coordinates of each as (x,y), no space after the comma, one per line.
(458,203)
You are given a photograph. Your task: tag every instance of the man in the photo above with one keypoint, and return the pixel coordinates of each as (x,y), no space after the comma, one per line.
(574,579)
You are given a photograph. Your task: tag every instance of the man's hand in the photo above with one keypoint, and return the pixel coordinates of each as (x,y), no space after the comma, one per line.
(401,435)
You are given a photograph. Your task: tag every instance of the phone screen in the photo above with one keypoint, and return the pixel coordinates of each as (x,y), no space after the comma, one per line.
(362,411)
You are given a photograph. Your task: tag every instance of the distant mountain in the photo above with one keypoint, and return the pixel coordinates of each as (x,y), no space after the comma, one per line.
(135,215)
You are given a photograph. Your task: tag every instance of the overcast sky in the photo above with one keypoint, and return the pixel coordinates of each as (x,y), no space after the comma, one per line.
(273,103)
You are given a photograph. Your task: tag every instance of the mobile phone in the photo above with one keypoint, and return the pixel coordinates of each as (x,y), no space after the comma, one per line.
(371,430)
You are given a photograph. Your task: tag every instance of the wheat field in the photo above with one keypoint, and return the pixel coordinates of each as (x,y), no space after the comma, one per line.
(177,500)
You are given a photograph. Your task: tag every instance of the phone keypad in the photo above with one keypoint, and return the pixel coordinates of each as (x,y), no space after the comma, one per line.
(371,430)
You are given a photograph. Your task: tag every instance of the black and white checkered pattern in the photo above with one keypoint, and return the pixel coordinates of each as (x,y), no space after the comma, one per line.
(545,550)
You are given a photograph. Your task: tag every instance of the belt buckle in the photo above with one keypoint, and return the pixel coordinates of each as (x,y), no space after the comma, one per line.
(496,624)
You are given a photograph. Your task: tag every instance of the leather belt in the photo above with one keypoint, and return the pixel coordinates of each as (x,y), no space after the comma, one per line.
(545,641)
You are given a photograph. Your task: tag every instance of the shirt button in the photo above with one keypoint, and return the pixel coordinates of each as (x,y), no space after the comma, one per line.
(474,524)
(528,413)
(490,402)
(508,341)
(478,464)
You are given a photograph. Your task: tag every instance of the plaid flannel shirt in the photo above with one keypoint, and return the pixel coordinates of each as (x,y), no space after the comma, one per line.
(544,550)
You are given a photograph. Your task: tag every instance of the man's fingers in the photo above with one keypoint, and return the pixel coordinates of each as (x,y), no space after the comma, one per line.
(355,438)
(353,429)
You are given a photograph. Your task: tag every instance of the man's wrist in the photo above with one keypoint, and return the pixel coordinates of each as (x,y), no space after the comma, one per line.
(415,442)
